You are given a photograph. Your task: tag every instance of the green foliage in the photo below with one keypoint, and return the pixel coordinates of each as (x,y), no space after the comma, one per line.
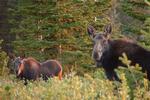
(136,14)
(3,61)
(75,88)
(133,74)
(57,29)
(145,31)
(136,69)
(136,9)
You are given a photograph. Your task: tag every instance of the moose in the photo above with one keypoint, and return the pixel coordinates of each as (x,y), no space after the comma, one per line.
(30,69)
(106,52)
(51,68)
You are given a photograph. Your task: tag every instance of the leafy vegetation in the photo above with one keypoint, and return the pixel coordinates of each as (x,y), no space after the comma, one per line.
(135,13)
(94,86)
(3,61)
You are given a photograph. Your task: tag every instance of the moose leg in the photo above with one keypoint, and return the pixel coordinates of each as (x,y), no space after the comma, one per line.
(112,75)
(25,82)
(45,77)
(60,75)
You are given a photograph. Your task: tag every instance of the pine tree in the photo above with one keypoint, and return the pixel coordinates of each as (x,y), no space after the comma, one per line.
(33,22)
(49,29)
(134,23)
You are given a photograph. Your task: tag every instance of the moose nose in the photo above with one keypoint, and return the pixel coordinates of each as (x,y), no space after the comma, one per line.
(96,55)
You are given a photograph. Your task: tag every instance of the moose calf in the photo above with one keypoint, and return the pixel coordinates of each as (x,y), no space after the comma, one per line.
(31,69)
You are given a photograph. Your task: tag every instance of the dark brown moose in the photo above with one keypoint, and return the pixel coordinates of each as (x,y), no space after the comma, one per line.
(106,52)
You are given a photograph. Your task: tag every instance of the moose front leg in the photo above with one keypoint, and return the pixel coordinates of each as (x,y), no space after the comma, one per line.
(112,75)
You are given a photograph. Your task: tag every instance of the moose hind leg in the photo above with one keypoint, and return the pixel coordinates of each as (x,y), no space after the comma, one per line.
(112,75)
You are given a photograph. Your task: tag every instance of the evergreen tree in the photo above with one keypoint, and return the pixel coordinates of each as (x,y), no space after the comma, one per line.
(135,21)
(33,22)
(48,29)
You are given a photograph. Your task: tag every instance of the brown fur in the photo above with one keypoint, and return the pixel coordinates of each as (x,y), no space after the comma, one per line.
(31,69)
(51,68)
(135,53)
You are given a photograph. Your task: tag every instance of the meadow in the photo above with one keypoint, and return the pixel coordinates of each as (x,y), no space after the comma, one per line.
(90,86)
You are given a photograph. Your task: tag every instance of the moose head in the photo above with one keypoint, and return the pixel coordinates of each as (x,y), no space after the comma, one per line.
(100,41)
(15,62)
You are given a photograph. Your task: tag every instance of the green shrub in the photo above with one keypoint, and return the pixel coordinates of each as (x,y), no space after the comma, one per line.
(3,61)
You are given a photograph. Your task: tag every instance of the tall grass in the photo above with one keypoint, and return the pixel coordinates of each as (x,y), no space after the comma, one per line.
(74,88)
(93,86)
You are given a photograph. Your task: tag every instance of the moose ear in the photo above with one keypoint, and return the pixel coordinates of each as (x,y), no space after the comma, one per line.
(11,55)
(91,31)
(22,56)
(108,29)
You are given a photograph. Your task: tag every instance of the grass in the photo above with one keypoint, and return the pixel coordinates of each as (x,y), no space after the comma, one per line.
(93,85)
(74,87)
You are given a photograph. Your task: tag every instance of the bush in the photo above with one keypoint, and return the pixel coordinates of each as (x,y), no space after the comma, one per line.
(3,61)
(74,87)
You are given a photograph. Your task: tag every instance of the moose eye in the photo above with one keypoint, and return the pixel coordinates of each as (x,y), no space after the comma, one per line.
(104,41)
